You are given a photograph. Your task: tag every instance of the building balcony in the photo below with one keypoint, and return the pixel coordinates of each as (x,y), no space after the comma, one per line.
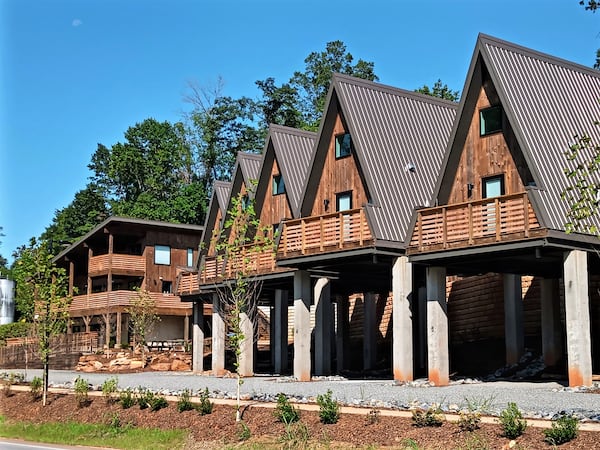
(120,264)
(103,302)
(187,282)
(326,233)
(481,222)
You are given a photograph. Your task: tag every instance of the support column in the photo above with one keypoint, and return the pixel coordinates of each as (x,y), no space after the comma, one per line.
(186,328)
(246,368)
(577,318)
(323,327)
(341,336)
(280,331)
(513,318)
(71,277)
(437,327)
(552,347)
(422,299)
(369,330)
(198,337)
(402,339)
(218,337)
(302,329)
(119,327)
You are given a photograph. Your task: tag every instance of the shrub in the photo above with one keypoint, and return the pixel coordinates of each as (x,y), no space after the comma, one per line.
(205,406)
(373,416)
(109,387)
(244,432)
(36,387)
(9,379)
(158,402)
(296,436)
(469,420)
(511,419)
(184,403)
(431,417)
(144,397)
(82,388)
(329,409)
(284,411)
(127,399)
(13,330)
(564,429)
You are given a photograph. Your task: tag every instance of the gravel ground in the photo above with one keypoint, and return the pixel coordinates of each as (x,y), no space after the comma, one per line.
(535,399)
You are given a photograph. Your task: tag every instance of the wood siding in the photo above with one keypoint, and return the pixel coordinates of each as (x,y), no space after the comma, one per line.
(275,207)
(215,234)
(339,175)
(103,302)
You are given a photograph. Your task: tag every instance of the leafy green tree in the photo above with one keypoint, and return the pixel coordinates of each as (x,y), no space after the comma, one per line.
(151,175)
(43,288)
(278,105)
(313,83)
(142,318)
(592,5)
(440,90)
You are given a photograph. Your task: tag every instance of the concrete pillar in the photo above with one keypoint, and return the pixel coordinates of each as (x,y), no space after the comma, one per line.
(513,318)
(186,327)
(218,337)
(279,337)
(246,345)
(577,318)
(323,327)
(198,337)
(341,335)
(369,330)
(422,299)
(302,329)
(119,327)
(402,334)
(437,327)
(552,346)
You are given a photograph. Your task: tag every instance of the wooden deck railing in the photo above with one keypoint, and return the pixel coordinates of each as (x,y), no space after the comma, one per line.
(249,261)
(187,282)
(116,261)
(114,299)
(326,233)
(505,218)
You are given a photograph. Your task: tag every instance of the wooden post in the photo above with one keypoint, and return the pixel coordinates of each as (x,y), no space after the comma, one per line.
(444,229)
(498,221)
(526,214)
(322,237)
(471,232)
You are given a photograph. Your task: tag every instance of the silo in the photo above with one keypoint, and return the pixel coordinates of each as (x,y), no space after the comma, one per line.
(7,301)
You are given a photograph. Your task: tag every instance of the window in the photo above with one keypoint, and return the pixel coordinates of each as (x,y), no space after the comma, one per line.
(343,201)
(275,230)
(343,145)
(278,185)
(245,202)
(190,257)
(167,287)
(493,186)
(162,255)
(490,120)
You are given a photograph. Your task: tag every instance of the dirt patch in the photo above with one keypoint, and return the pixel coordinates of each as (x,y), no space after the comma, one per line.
(219,428)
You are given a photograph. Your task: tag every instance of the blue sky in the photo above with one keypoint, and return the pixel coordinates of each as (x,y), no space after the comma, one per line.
(75,73)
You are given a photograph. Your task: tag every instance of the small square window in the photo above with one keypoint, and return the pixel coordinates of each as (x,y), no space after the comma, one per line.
(343,145)
(490,120)
(344,201)
(167,287)
(278,185)
(162,255)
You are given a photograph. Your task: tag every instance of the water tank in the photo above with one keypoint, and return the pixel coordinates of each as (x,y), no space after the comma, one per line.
(7,301)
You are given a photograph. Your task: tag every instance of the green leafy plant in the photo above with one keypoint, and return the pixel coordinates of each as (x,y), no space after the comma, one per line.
(512,422)
(244,432)
(82,389)
(295,436)
(205,406)
(373,416)
(431,417)
(410,444)
(158,402)
(564,429)
(284,411)
(109,388)
(469,420)
(184,403)
(127,398)
(36,388)
(329,409)
(144,397)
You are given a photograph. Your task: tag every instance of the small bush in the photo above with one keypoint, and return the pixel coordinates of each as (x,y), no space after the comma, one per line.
(244,432)
(144,397)
(373,416)
(109,387)
(184,403)
(82,389)
(284,411)
(127,398)
(205,406)
(512,422)
(564,429)
(296,436)
(36,388)
(158,402)
(14,330)
(329,409)
(431,417)
(469,420)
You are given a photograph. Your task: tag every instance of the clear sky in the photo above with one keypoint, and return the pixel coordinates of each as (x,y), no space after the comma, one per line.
(75,73)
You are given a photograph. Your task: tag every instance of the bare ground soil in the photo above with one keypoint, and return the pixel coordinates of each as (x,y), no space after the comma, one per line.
(219,429)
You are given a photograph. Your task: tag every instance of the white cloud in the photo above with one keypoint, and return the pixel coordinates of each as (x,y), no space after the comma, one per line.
(76,22)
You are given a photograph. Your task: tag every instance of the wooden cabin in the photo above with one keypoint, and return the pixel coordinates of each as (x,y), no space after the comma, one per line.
(108,264)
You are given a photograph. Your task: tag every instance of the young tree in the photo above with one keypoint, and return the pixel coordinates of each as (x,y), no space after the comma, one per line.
(142,318)
(440,90)
(43,286)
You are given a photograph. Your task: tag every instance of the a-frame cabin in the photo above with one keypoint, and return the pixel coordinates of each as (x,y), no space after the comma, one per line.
(498,206)
(377,155)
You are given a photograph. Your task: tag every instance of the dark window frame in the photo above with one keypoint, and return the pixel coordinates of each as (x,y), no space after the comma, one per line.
(484,181)
(340,195)
(278,184)
(483,131)
(338,147)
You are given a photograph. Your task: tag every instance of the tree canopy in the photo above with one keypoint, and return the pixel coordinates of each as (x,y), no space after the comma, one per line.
(440,90)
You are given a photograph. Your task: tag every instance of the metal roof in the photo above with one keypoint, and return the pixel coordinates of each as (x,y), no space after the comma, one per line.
(249,163)
(399,139)
(548,101)
(218,202)
(221,191)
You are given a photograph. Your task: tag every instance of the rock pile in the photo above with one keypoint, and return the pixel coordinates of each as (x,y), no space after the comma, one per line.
(127,361)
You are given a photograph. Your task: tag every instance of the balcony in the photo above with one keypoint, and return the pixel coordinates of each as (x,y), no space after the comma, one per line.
(118,263)
(327,233)
(187,282)
(100,302)
(482,222)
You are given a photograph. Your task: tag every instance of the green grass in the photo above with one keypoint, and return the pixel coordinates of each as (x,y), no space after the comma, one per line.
(72,433)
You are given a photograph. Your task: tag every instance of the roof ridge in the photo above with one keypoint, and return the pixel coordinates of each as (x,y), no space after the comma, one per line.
(284,129)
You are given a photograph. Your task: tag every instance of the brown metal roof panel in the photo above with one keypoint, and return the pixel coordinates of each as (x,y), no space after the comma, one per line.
(250,166)
(399,137)
(548,101)
(221,191)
